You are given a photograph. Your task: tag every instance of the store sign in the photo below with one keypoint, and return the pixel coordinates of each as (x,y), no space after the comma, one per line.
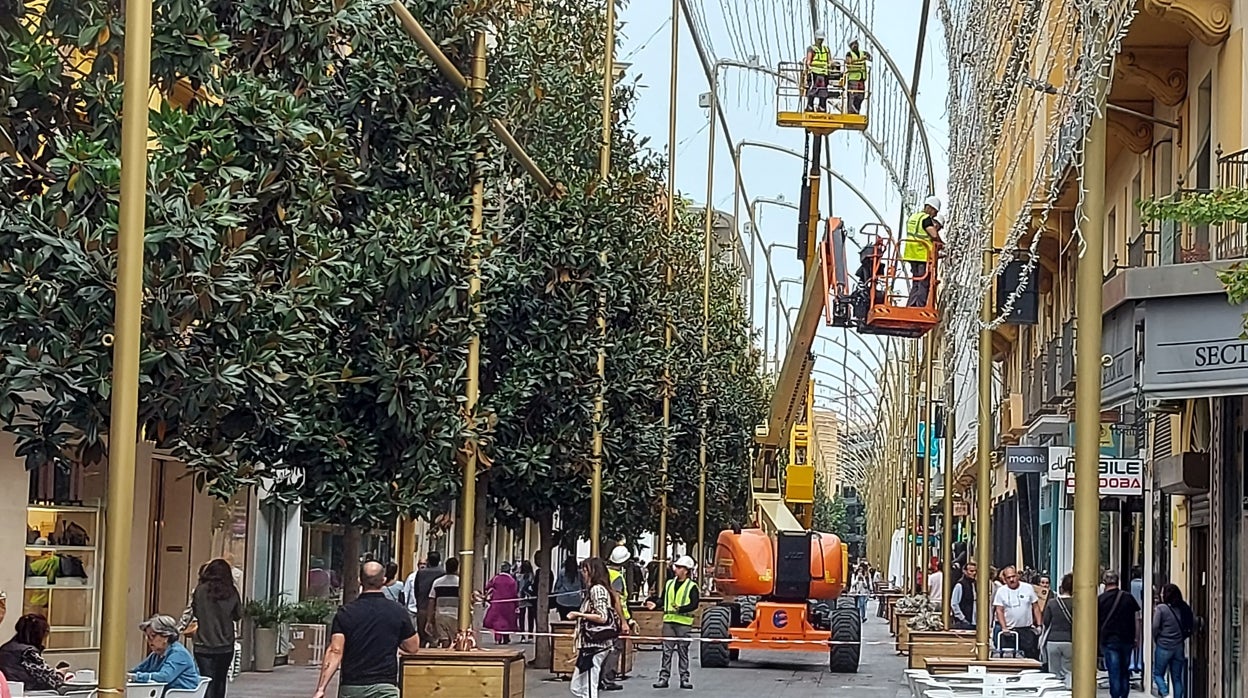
(1119,477)
(1194,348)
(1026,459)
(1057,463)
(961,509)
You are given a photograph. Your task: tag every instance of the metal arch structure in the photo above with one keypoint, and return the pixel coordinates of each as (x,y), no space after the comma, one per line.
(709,70)
(830,171)
(915,117)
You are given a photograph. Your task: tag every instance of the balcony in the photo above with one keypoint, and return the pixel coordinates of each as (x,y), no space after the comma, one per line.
(1170,242)
(1033,377)
(1052,393)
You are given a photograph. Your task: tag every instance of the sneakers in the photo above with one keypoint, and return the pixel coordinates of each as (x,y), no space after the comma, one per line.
(686,685)
(661,683)
(612,687)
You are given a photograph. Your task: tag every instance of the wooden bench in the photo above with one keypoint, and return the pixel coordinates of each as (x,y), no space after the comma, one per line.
(944,644)
(957,665)
(474,674)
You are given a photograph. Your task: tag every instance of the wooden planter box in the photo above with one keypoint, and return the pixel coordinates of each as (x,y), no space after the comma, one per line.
(649,624)
(563,655)
(940,643)
(474,674)
(307,644)
(897,620)
(903,631)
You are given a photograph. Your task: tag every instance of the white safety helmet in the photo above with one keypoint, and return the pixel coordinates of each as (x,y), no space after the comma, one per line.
(620,555)
(685,561)
(934,202)
(819,35)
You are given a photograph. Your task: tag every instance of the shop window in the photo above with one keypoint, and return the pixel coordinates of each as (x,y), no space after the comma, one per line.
(64,529)
(324,546)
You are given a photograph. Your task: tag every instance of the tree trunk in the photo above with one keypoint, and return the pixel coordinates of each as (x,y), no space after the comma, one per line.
(542,650)
(351,543)
(481,536)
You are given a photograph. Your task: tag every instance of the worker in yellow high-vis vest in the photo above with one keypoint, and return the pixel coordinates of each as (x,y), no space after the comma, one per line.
(680,600)
(919,249)
(620,555)
(856,76)
(818,72)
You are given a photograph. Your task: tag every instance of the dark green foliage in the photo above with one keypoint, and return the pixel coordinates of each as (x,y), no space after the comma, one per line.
(306,317)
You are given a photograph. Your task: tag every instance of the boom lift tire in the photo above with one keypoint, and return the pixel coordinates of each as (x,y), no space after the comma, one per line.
(749,608)
(847,634)
(715,626)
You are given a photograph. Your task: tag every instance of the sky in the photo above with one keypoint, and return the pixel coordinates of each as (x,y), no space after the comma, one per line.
(750,103)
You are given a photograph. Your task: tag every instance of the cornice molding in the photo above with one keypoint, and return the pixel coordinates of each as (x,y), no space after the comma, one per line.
(1208,21)
(1134,133)
(1162,72)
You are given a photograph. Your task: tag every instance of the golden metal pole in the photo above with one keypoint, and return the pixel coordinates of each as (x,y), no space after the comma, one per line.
(928,346)
(468,497)
(604,170)
(708,219)
(661,557)
(983,480)
(912,476)
(1088,408)
(946,535)
(128,329)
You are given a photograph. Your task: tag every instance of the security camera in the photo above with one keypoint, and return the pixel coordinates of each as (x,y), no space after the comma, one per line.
(1107,360)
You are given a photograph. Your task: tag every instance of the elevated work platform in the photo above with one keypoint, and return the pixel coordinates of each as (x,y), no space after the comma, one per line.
(821,122)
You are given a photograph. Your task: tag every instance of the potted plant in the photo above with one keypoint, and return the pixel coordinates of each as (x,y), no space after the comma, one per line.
(266,615)
(307,630)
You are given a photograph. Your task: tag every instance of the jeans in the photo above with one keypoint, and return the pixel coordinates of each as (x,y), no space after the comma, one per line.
(676,645)
(1118,665)
(215,666)
(1060,658)
(862,607)
(585,683)
(1174,660)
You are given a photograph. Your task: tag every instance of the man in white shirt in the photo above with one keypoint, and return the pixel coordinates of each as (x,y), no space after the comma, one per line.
(1017,610)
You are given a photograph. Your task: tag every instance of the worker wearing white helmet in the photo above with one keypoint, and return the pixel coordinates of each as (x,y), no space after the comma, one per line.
(921,246)
(856,76)
(680,601)
(818,72)
(620,555)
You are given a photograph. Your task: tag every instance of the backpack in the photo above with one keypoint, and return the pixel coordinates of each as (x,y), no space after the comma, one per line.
(1187,621)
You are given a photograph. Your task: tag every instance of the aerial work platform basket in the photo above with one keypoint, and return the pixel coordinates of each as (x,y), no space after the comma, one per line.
(881,297)
(792,107)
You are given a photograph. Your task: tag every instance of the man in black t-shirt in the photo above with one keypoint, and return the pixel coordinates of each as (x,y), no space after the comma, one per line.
(365,639)
(1115,611)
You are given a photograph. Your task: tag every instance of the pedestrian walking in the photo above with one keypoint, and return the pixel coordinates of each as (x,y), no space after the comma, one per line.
(365,639)
(1018,611)
(393,588)
(215,608)
(526,582)
(502,594)
(443,605)
(860,589)
(1058,619)
(680,600)
(598,624)
(568,589)
(416,593)
(1173,623)
(1115,611)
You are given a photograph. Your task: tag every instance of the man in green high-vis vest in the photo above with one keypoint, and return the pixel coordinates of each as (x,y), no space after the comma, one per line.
(920,247)
(680,600)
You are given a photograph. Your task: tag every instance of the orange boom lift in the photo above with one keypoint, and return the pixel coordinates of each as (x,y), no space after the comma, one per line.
(785,584)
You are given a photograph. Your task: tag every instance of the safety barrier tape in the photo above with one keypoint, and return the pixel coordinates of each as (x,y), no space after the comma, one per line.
(479,597)
(756,641)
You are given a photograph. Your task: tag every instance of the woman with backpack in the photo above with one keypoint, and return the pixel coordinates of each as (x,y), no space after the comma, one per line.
(597,627)
(568,589)
(1173,623)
